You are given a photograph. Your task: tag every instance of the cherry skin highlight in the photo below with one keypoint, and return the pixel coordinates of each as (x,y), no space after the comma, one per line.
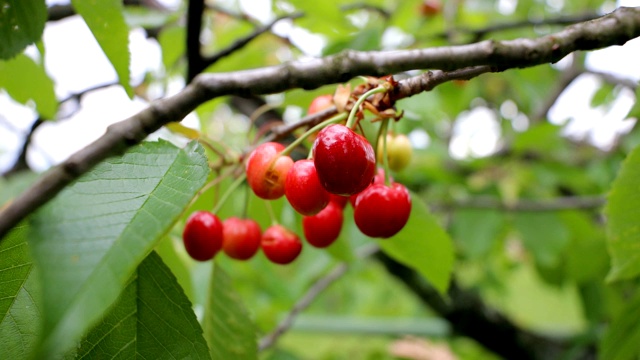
(345,161)
(303,190)
(382,211)
(267,170)
(280,245)
(240,238)
(202,235)
(322,229)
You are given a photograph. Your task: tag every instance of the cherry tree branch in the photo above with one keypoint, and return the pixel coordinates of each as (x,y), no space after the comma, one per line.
(613,29)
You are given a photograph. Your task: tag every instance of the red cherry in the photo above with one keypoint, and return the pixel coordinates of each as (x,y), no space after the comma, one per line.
(320,103)
(303,190)
(381,211)
(240,238)
(338,200)
(377,179)
(267,170)
(280,245)
(202,235)
(345,161)
(322,229)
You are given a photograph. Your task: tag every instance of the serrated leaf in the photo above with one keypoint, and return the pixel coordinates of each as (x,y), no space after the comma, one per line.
(106,21)
(622,339)
(21,23)
(25,80)
(89,240)
(544,235)
(228,329)
(623,220)
(152,319)
(424,246)
(19,297)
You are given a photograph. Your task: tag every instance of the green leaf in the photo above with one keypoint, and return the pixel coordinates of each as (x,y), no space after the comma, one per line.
(25,80)
(89,240)
(152,319)
(171,41)
(227,327)
(476,230)
(622,339)
(21,23)
(623,231)
(544,234)
(604,95)
(19,297)
(106,21)
(424,246)
(167,251)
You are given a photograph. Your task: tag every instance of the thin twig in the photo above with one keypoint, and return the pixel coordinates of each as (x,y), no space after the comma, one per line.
(316,289)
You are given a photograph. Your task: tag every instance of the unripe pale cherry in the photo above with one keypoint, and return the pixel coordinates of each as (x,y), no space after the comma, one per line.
(267,170)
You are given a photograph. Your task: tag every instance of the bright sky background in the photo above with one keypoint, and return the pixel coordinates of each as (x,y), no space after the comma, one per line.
(475,131)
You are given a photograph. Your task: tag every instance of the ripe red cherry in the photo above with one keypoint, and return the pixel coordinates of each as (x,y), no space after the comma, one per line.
(320,103)
(303,190)
(338,200)
(240,238)
(280,245)
(381,211)
(202,235)
(345,161)
(377,179)
(322,229)
(267,170)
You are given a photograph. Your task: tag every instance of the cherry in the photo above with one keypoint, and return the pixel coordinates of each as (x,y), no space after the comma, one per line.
(382,211)
(322,229)
(202,235)
(267,170)
(377,179)
(338,200)
(240,238)
(399,151)
(320,103)
(345,161)
(303,190)
(280,245)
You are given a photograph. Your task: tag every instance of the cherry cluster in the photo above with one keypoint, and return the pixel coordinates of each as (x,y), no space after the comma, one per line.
(341,168)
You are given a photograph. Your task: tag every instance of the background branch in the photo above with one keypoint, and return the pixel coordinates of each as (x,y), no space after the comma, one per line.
(613,29)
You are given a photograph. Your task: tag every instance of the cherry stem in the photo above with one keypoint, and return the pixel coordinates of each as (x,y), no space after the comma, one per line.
(384,129)
(332,120)
(227,193)
(272,215)
(352,114)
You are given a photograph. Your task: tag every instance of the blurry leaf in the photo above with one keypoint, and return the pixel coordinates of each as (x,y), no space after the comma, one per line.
(604,95)
(88,241)
(20,309)
(364,40)
(623,217)
(152,319)
(541,138)
(544,235)
(25,80)
(178,128)
(105,19)
(424,246)
(622,339)
(634,112)
(586,257)
(476,230)
(21,24)
(172,42)
(228,328)
(145,17)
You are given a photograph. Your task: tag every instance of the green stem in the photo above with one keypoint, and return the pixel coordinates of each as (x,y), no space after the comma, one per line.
(272,215)
(352,115)
(227,193)
(384,129)
(332,120)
